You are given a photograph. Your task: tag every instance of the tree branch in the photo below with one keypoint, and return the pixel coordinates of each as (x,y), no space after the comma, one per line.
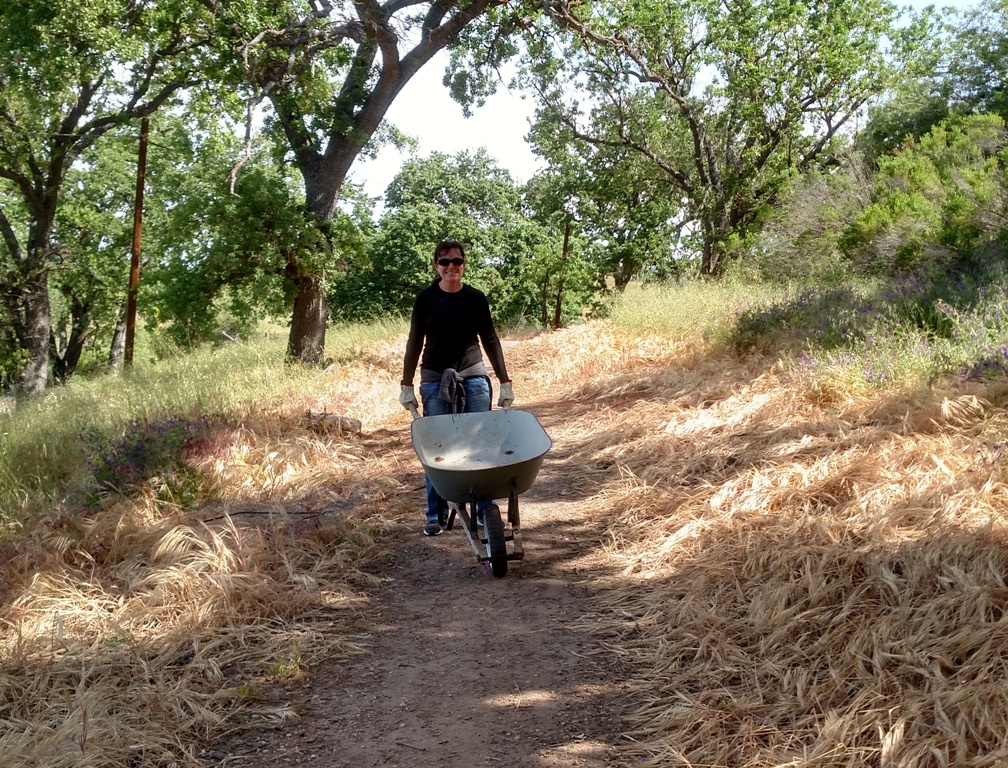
(10,238)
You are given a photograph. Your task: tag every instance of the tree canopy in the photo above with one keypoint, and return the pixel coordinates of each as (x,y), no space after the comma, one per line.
(71,72)
(728,100)
(670,133)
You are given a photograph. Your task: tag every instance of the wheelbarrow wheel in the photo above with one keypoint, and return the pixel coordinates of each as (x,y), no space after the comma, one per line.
(493,527)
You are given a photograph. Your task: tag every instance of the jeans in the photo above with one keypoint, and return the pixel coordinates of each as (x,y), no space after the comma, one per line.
(477,392)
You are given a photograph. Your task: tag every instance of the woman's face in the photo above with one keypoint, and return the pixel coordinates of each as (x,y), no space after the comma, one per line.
(450,265)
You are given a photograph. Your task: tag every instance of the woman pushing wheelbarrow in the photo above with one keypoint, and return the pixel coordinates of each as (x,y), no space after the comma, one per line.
(450,321)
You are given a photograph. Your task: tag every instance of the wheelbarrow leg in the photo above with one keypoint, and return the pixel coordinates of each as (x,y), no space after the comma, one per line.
(514,519)
(446,514)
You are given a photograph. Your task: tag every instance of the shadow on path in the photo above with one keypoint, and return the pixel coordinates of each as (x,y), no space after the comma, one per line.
(462,669)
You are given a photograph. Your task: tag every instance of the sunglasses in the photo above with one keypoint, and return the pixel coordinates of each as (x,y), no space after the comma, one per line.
(456,262)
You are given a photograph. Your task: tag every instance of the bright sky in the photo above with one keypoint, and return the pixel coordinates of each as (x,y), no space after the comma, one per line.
(425,110)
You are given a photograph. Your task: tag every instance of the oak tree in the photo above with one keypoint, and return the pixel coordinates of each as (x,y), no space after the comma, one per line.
(330,71)
(70,72)
(727,99)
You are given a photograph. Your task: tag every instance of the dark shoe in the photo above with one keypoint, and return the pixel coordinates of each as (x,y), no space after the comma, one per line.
(433,528)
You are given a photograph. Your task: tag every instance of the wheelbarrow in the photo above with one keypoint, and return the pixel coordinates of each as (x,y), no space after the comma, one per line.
(474,457)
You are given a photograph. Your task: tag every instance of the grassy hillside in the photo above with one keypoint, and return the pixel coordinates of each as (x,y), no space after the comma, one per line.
(806,496)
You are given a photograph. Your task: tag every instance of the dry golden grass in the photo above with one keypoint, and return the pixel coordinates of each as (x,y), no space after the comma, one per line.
(135,635)
(803,583)
(802,578)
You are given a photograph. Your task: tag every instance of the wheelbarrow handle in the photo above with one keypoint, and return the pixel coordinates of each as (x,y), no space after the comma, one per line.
(413,410)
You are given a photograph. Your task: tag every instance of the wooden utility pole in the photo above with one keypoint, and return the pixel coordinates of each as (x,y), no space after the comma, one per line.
(558,310)
(134,276)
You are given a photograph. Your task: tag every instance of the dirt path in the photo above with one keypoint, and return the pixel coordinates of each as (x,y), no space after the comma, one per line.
(464,669)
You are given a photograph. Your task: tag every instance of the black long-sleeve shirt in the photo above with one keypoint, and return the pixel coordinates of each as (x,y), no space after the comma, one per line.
(449,328)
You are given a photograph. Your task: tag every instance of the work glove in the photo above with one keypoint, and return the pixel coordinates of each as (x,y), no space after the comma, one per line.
(407,397)
(506,395)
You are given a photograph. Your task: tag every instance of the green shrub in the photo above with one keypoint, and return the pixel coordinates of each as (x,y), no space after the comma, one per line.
(146,448)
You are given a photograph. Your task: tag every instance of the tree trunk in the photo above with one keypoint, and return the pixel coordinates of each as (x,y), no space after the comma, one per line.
(308,324)
(36,320)
(323,179)
(25,291)
(65,353)
(557,309)
(710,265)
(118,347)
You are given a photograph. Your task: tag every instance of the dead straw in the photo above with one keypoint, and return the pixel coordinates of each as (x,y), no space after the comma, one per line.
(802,583)
(788,578)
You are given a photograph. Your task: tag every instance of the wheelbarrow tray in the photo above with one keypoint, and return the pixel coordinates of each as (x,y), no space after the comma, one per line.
(480,454)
